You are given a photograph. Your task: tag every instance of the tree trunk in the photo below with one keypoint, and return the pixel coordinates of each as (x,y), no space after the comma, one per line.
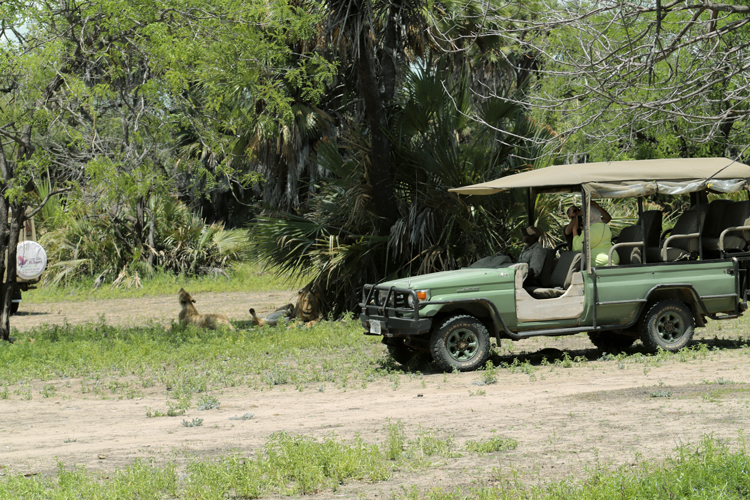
(383,202)
(151,235)
(139,220)
(16,223)
(4,237)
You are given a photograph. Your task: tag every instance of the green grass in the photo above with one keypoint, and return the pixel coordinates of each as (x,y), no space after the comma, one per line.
(243,277)
(294,465)
(710,471)
(491,445)
(119,362)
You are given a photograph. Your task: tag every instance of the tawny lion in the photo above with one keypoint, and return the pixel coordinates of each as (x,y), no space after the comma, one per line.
(308,309)
(189,315)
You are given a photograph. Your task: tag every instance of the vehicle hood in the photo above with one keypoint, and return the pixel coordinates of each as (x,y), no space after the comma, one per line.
(445,280)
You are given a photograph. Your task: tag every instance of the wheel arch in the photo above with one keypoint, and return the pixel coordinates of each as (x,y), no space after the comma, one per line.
(481,309)
(683,293)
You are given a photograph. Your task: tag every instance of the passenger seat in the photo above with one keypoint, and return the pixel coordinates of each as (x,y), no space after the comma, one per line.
(683,240)
(730,233)
(632,234)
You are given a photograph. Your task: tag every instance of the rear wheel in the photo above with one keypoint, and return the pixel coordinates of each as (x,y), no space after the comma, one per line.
(610,341)
(668,325)
(462,343)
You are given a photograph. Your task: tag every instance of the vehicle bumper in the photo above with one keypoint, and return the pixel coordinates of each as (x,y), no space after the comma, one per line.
(393,317)
(395,327)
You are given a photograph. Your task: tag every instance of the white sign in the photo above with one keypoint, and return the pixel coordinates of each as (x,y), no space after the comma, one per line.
(31,260)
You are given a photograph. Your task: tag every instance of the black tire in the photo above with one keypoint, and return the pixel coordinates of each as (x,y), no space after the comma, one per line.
(668,325)
(462,343)
(14,307)
(611,342)
(399,352)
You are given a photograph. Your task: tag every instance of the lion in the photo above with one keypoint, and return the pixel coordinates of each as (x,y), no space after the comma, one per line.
(309,304)
(308,309)
(189,315)
(286,312)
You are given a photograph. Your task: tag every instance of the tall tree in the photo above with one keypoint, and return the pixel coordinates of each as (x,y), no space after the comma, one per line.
(93,90)
(667,78)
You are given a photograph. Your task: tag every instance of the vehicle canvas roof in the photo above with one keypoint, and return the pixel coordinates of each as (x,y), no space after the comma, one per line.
(620,179)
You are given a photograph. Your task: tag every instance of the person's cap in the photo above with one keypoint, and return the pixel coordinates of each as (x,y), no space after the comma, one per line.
(532,231)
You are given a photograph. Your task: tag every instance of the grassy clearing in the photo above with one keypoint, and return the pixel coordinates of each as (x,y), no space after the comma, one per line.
(287,465)
(113,362)
(242,277)
(303,465)
(712,470)
(118,362)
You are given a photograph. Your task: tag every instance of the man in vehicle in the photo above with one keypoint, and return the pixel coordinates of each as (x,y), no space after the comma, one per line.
(532,254)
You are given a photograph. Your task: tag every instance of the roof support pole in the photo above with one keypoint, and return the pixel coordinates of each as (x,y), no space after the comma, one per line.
(643,229)
(530,207)
(586,207)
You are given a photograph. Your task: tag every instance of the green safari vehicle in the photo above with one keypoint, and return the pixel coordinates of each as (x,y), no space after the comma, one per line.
(667,283)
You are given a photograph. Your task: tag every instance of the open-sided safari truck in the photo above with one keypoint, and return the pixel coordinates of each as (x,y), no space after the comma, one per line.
(666,283)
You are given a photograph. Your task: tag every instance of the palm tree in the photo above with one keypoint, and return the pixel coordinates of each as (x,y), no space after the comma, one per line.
(433,146)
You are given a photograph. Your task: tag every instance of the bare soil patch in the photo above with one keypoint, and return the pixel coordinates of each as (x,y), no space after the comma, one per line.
(564,419)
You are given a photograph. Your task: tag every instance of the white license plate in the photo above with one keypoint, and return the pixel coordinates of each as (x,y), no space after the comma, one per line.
(376,327)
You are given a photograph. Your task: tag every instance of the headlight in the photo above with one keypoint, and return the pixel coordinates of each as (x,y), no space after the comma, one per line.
(382,295)
(421,295)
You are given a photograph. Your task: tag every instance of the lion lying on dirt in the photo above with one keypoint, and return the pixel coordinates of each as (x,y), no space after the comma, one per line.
(189,315)
(308,309)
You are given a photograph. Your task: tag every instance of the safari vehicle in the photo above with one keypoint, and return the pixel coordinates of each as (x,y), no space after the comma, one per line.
(32,261)
(666,284)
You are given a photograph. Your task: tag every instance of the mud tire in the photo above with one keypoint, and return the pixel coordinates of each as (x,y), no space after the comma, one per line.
(462,343)
(668,325)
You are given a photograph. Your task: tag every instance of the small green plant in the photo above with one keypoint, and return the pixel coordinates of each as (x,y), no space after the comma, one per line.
(491,445)
(208,403)
(246,416)
(277,377)
(489,374)
(396,440)
(428,444)
(48,391)
(154,413)
(174,411)
(660,394)
(196,422)
(565,361)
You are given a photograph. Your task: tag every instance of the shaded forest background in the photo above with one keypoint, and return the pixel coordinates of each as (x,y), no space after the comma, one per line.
(320,137)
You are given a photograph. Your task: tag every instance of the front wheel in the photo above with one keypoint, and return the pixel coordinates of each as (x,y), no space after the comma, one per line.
(668,325)
(399,352)
(462,343)
(611,342)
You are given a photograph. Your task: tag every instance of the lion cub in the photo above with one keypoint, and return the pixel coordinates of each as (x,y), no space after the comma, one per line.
(189,315)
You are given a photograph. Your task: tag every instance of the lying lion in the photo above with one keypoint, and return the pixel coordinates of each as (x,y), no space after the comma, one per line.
(189,315)
(286,312)
(308,309)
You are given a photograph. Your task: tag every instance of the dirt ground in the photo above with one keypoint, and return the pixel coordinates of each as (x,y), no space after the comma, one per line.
(564,419)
